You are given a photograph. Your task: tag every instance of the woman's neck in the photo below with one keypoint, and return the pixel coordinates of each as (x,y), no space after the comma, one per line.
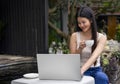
(87,35)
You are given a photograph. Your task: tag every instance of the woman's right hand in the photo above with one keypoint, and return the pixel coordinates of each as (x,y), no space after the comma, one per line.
(82,44)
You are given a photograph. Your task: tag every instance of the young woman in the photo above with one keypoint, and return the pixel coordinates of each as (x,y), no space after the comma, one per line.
(90,56)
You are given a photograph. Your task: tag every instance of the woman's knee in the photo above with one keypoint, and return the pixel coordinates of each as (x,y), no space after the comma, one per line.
(101,76)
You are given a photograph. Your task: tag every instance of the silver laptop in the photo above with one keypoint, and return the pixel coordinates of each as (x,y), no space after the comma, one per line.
(59,66)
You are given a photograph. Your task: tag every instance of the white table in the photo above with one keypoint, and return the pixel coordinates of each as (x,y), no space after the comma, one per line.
(84,80)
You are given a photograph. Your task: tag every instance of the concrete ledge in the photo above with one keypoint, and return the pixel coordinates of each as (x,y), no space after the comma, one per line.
(12,67)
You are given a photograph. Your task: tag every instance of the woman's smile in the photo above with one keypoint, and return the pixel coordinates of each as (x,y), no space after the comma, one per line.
(84,24)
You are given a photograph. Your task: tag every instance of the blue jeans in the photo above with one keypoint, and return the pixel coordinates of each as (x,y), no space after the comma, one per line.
(99,76)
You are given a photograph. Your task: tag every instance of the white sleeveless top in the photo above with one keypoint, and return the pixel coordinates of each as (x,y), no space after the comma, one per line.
(86,52)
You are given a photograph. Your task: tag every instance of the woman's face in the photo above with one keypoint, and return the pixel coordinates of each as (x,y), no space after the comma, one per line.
(84,24)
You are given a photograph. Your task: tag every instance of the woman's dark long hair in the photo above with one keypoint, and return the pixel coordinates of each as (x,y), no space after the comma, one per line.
(88,13)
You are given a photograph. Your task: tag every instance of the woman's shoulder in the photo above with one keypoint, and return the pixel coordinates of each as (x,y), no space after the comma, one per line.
(100,35)
(74,34)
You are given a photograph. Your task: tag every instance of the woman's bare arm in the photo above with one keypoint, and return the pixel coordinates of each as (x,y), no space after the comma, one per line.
(73,45)
(95,54)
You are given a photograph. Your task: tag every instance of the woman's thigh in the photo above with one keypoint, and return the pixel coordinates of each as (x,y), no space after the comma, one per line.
(100,78)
